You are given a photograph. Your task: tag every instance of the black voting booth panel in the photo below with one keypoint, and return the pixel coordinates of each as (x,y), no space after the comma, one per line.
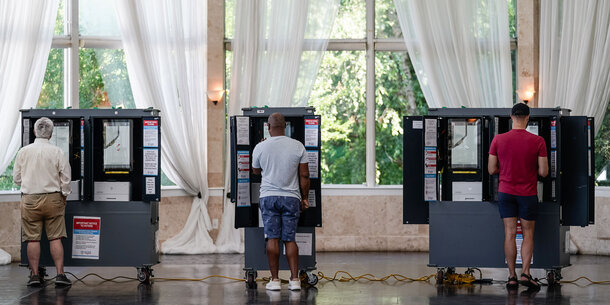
(450,188)
(248,130)
(127,228)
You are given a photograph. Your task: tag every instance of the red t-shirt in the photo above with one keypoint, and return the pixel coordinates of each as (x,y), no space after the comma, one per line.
(518,151)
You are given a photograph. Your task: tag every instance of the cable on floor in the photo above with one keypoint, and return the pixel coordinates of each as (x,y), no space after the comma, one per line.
(114,279)
(199,279)
(372,278)
(591,282)
(339,276)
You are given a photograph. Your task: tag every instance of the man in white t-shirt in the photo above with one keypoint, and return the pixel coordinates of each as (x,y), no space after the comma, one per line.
(283,194)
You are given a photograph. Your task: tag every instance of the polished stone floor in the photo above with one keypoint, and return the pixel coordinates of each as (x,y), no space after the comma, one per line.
(222,291)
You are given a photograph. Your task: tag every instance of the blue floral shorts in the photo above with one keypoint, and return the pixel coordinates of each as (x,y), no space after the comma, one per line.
(280,216)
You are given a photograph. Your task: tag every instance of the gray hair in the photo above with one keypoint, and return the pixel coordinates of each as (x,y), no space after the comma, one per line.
(43,128)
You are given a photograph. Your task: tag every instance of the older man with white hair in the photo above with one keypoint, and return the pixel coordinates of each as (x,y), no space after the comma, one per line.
(44,174)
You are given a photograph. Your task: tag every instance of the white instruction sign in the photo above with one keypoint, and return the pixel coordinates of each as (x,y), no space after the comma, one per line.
(242,125)
(304,242)
(86,237)
(151,133)
(243,192)
(150,185)
(312,198)
(312,159)
(151,162)
(430,187)
(430,133)
(312,127)
(26,132)
(417,124)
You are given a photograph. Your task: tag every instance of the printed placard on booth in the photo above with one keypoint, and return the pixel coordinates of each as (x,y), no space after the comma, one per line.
(243,130)
(312,160)
(151,162)
(86,237)
(150,185)
(304,242)
(311,199)
(151,133)
(312,127)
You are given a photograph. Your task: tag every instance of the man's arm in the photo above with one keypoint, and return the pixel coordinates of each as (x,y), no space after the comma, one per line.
(543,166)
(17,171)
(304,182)
(65,175)
(492,165)
(256,171)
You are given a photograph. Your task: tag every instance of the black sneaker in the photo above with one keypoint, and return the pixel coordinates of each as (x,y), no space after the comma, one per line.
(35,280)
(62,280)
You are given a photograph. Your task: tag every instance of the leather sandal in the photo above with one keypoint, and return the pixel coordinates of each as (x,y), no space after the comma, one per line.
(530,283)
(512,283)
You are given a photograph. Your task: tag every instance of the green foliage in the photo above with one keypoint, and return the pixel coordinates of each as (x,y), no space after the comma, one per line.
(398,93)
(6,179)
(386,20)
(512,18)
(351,20)
(339,97)
(602,149)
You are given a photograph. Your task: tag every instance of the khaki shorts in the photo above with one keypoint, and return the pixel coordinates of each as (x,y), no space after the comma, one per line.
(39,210)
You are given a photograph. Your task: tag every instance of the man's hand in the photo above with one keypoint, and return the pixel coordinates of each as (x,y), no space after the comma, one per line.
(64,197)
(304,204)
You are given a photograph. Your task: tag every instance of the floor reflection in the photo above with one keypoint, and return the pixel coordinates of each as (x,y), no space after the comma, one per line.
(477,293)
(222,291)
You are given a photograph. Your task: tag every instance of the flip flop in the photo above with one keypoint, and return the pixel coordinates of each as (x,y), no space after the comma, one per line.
(514,284)
(530,283)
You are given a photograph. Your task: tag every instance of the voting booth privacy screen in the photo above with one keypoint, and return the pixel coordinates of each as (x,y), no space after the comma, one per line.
(247,130)
(250,129)
(446,184)
(112,213)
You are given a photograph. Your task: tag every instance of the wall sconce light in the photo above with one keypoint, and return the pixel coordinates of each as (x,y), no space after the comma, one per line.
(526,95)
(215,96)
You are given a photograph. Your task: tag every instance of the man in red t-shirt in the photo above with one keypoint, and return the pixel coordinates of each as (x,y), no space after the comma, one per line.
(519,157)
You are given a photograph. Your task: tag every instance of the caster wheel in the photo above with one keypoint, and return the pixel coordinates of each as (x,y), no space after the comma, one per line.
(312,279)
(144,275)
(251,279)
(440,275)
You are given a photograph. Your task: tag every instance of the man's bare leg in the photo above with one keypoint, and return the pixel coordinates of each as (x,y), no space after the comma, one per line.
(34,256)
(510,245)
(292,254)
(57,252)
(527,247)
(273,257)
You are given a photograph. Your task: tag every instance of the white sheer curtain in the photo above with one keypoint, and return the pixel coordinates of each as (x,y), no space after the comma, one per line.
(26,33)
(165,44)
(575,56)
(460,50)
(277,49)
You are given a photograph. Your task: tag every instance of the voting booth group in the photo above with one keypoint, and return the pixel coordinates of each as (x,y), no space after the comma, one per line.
(113,212)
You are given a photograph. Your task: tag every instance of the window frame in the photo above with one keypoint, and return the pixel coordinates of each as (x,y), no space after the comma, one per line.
(71,42)
(371,45)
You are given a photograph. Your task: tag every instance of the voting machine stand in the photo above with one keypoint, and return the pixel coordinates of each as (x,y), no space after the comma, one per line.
(446,184)
(247,130)
(112,214)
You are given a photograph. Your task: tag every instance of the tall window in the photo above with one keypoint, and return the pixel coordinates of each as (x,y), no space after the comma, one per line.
(86,66)
(364,87)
